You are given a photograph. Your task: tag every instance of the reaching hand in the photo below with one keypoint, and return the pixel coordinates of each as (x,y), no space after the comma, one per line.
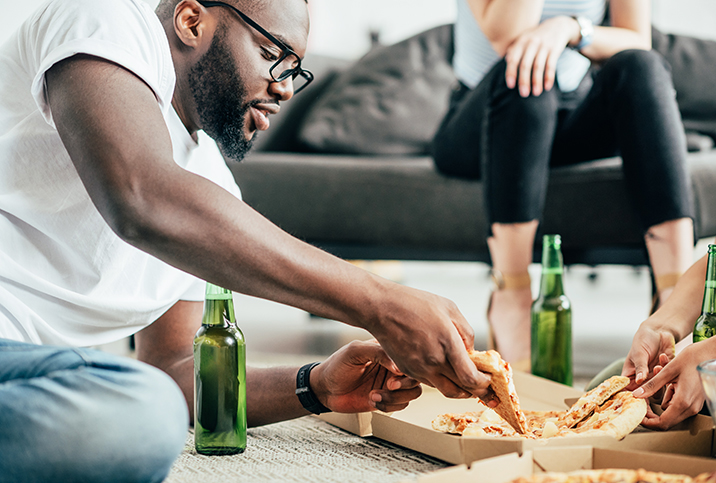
(428,338)
(683,394)
(533,55)
(360,377)
(648,345)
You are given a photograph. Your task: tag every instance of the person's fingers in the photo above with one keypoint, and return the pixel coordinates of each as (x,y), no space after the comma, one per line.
(651,386)
(364,352)
(550,68)
(512,59)
(395,383)
(663,359)
(467,333)
(490,399)
(449,388)
(667,345)
(380,378)
(676,413)
(538,80)
(668,395)
(524,79)
(394,400)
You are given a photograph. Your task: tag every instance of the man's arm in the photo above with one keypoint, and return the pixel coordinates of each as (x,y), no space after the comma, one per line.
(359,377)
(110,124)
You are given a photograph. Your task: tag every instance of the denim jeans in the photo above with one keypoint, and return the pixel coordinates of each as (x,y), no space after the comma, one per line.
(84,415)
(625,107)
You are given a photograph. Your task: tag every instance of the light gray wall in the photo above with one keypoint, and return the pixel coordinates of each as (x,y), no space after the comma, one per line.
(341,27)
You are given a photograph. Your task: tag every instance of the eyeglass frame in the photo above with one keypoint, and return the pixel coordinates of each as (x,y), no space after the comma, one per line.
(285,50)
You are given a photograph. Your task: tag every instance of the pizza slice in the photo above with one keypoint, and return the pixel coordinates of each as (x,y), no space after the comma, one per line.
(590,401)
(508,406)
(612,475)
(617,417)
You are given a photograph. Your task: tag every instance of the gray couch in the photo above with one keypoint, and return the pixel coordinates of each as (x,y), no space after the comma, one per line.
(346,164)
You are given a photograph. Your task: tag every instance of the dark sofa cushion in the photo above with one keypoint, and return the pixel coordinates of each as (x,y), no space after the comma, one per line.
(693,66)
(388,102)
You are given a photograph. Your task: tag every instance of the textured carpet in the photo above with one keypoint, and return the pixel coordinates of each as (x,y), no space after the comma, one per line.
(305,449)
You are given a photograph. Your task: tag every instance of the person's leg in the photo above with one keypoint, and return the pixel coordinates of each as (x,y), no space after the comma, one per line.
(631,109)
(492,133)
(83,415)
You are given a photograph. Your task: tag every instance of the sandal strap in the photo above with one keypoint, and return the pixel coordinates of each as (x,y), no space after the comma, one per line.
(667,280)
(510,281)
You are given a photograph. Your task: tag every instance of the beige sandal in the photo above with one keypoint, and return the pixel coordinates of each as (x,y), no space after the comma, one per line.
(662,282)
(506,281)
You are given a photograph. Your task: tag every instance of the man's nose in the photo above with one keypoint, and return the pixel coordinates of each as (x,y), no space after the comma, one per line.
(282,89)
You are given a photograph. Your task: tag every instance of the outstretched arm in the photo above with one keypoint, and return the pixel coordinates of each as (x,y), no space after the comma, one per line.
(683,395)
(358,377)
(125,162)
(672,322)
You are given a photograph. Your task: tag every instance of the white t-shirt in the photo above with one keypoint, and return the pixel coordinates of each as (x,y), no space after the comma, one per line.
(65,277)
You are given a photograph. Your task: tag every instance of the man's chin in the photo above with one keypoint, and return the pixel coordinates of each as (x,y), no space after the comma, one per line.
(236,150)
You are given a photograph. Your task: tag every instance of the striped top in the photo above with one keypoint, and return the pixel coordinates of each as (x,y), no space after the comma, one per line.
(474,56)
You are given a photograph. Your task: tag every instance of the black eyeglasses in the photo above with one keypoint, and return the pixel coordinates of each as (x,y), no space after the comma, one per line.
(288,64)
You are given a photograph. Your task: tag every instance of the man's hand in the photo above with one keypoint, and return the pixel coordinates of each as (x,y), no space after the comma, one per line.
(648,345)
(428,338)
(533,55)
(360,377)
(683,394)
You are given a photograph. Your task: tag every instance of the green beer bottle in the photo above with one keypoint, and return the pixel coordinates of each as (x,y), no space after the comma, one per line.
(219,378)
(705,325)
(552,318)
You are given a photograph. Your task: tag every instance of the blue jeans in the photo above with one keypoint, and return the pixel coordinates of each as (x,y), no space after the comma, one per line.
(84,415)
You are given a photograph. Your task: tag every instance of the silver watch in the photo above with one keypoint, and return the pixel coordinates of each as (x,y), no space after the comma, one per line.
(586,32)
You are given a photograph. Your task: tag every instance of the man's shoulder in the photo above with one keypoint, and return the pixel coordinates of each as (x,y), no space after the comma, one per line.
(115,12)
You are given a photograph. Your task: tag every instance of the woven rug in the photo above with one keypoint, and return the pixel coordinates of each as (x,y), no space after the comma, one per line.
(302,450)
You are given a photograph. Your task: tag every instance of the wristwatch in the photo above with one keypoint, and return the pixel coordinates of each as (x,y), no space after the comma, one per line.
(586,32)
(305,394)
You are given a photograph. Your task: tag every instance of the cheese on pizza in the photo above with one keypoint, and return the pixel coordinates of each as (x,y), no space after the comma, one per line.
(617,415)
(615,475)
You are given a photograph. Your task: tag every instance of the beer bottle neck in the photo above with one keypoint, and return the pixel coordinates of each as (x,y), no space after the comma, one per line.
(709,305)
(552,271)
(218,313)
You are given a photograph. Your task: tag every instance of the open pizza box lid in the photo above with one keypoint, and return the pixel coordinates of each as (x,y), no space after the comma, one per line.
(412,427)
(505,468)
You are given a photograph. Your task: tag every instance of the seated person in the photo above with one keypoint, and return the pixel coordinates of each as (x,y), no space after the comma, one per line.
(108,222)
(652,362)
(543,85)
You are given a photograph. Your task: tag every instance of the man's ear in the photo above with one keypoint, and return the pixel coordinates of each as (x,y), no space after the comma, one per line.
(192,23)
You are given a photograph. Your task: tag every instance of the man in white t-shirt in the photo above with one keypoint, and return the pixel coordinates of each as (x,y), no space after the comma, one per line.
(109,218)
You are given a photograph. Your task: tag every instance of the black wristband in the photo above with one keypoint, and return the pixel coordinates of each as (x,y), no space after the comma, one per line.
(305,394)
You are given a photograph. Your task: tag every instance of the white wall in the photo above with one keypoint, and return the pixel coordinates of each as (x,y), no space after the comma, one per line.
(341,27)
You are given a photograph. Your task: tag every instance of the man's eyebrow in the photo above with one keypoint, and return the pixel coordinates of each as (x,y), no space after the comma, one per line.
(284,41)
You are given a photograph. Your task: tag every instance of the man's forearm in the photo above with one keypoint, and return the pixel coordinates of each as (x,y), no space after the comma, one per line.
(270,392)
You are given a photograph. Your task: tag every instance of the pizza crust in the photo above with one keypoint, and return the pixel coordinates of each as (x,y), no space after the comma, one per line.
(590,401)
(503,386)
(615,475)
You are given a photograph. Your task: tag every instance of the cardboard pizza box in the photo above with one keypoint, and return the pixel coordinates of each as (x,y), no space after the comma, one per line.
(411,427)
(505,468)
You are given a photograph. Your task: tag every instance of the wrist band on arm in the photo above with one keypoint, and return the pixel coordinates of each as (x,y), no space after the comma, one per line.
(305,394)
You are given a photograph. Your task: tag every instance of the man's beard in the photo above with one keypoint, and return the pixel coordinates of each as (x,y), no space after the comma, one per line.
(220,98)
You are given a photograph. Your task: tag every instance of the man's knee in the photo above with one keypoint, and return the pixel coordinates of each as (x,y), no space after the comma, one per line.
(111,420)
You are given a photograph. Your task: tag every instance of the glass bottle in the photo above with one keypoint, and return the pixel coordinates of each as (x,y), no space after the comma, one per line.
(219,378)
(552,318)
(705,325)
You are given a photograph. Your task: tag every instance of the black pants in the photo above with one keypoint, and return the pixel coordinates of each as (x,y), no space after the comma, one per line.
(626,107)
